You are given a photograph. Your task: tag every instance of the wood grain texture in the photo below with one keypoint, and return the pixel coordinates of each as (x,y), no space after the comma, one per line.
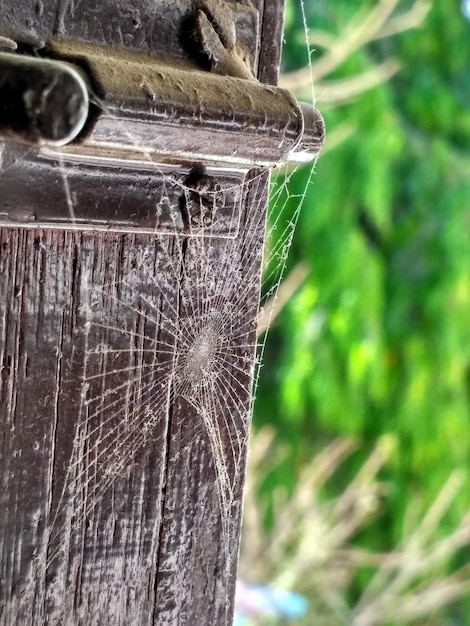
(116,506)
(69,525)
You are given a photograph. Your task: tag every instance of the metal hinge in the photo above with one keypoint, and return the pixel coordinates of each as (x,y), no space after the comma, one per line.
(141,128)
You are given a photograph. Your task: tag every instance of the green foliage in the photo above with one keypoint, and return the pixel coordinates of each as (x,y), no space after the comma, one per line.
(376,342)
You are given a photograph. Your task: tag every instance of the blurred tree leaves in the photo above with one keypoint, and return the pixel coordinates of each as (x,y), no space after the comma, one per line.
(376,342)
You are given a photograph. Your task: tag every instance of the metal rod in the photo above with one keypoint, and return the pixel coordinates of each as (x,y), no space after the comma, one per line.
(173,109)
(41,101)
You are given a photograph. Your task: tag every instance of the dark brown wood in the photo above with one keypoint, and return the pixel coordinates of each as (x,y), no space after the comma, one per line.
(125,387)
(272,20)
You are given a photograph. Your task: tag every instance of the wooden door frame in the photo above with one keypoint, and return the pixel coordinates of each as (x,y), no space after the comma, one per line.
(90,535)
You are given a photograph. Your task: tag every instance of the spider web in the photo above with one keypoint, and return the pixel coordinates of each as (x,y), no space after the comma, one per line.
(169,336)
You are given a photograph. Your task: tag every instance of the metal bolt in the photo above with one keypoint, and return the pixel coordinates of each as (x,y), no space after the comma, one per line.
(7,45)
(216,36)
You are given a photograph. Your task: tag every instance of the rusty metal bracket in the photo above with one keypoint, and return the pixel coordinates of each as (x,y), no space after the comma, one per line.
(137,126)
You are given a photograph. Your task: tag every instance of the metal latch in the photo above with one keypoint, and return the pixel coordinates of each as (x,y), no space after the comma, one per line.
(140,128)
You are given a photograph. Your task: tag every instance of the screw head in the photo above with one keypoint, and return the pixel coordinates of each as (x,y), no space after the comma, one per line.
(7,44)
(216,38)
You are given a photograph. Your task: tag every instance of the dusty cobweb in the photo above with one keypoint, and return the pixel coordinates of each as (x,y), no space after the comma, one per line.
(170,321)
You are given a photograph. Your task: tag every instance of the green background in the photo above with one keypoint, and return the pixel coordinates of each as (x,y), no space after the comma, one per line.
(375,343)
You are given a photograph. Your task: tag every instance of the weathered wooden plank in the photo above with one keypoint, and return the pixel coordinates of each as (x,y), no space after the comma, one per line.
(105,423)
(206,462)
(82,455)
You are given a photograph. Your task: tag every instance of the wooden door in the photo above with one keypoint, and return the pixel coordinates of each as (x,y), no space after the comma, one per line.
(127,339)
